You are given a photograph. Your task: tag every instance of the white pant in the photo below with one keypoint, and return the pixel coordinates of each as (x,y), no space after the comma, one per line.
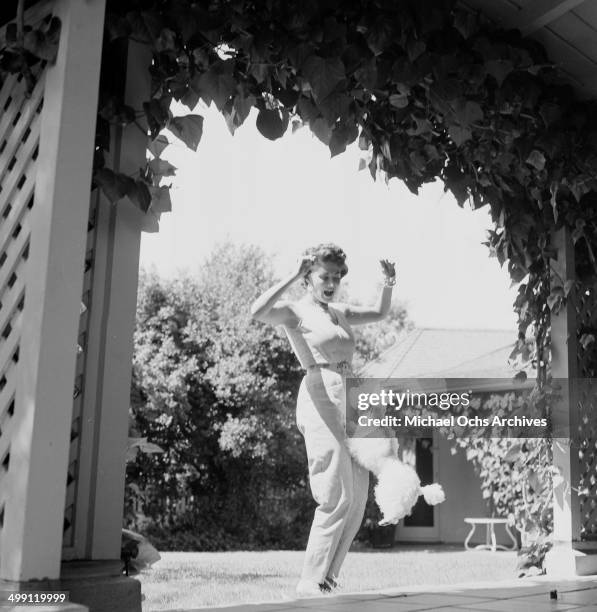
(338,484)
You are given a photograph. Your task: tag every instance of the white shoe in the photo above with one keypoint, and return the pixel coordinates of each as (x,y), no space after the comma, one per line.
(306,588)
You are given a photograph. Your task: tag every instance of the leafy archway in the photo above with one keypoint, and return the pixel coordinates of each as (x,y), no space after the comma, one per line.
(430,90)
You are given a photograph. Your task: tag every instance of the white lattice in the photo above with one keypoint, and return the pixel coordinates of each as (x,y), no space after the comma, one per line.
(20,118)
(19,140)
(78,391)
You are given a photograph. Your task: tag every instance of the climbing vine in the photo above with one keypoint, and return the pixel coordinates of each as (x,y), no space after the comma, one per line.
(429,90)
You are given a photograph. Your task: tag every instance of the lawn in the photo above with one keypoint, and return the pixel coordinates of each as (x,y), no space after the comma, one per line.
(193,580)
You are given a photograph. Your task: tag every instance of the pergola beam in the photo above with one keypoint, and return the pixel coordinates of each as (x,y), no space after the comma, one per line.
(540,13)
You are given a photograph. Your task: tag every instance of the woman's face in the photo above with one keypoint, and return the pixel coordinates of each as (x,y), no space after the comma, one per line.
(324,280)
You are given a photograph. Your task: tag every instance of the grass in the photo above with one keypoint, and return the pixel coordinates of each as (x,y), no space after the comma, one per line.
(194,580)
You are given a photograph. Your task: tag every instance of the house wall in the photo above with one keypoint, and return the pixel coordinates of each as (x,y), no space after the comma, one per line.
(463,498)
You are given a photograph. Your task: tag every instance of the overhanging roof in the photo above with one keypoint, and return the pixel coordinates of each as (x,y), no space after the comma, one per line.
(447,353)
(566,28)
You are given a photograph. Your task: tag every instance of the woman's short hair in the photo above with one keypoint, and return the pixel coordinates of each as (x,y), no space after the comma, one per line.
(328,252)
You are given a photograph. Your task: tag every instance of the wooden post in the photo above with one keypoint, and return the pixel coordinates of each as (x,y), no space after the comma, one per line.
(34,511)
(104,435)
(566,557)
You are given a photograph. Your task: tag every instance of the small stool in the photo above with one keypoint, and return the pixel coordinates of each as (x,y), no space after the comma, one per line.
(490,543)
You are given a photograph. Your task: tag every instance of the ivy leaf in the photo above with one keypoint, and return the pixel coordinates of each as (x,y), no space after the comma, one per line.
(367,74)
(39,45)
(467,113)
(138,193)
(157,114)
(113,184)
(157,145)
(380,35)
(423,126)
(335,106)
(322,130)
(272,123)
(188,128)
(499,69)
(459,134)
(341,137)
(414,48)
(536,159)
(520,376)
(553,299)
(307,110)
(550,112)
(190,98)
(299,53)
(364,141)
(323,75)
(514,453)
(145,25)
(136,445)
(399,100)
(236,112)
(160,168)
(166,41)
(217,83)
(160,199)
(260,71)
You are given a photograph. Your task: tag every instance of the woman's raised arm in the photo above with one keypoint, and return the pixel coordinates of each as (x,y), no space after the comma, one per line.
(360,315)
(264,308)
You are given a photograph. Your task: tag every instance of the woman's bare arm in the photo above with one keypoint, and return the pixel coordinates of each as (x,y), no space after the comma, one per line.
(360,315)
(264,308)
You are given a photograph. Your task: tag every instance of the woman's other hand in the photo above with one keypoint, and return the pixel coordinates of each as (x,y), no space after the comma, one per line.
(388,268)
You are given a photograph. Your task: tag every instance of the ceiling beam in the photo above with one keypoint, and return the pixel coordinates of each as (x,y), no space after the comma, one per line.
(539,13)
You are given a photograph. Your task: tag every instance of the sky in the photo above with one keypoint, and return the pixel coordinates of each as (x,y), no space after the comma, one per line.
(288,194)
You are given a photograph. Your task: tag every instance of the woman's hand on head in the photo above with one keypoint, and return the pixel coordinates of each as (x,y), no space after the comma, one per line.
(305,264)
(388,268)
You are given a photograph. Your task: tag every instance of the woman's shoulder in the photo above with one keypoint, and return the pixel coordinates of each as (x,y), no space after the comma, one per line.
(294,312)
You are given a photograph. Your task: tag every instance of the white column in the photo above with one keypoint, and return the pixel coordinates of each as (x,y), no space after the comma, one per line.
(104,435)
(33,522)
(566,558)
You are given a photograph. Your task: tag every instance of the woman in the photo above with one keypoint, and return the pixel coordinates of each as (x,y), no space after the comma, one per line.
(319,331)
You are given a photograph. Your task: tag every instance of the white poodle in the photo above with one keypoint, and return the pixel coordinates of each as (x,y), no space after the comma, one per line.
(398,486)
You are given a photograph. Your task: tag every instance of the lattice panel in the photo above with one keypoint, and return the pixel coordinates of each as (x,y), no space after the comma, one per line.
(78,391)
(586,313)
(19,142)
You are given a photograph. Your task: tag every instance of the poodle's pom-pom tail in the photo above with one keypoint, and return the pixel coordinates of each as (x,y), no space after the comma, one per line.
(433,494)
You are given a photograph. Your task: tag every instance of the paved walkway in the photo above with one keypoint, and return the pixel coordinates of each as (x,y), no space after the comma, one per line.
(529,594)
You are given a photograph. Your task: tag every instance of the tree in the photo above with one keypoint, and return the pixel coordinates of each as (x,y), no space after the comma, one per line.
(215,390)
